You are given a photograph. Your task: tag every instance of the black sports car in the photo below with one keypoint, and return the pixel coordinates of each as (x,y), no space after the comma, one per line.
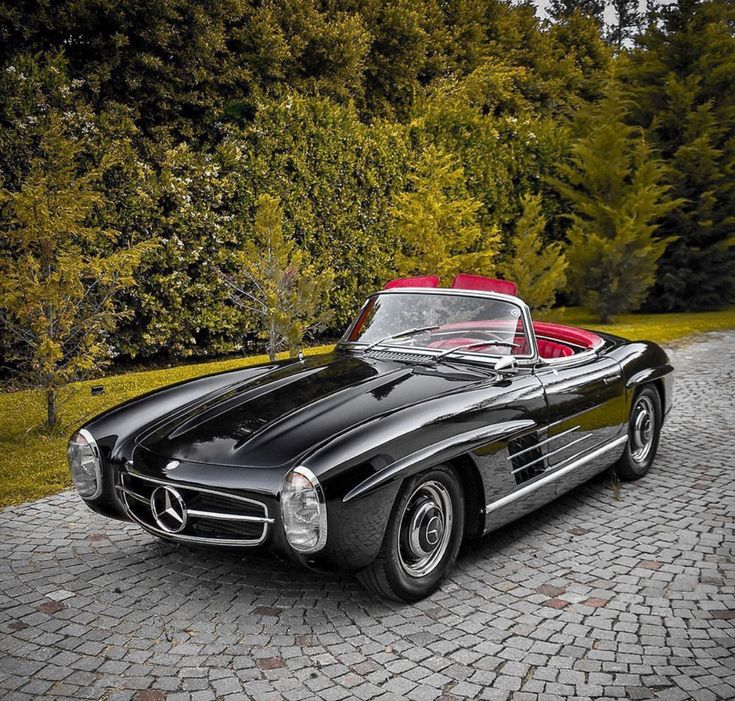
(442,414)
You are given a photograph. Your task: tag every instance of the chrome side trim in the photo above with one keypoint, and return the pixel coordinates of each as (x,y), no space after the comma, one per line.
(543,442)
(553,452)
(554,475)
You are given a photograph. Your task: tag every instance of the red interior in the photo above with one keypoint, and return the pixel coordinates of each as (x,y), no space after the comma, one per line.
(567,334)
(553,340)
(468,281)
(463,281)
(421,281)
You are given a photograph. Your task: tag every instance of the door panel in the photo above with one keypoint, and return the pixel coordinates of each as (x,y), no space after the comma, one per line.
(521,396)
(586,404)
(585,411)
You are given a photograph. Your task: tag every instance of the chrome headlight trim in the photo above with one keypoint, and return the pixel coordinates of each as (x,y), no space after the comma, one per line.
(322,506)
(84,433)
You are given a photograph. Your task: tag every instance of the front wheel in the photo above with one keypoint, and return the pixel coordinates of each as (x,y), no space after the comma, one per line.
(422,539)
(644,428)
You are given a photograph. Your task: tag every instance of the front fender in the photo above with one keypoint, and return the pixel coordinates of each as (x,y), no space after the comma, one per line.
(440,452)
(644,362)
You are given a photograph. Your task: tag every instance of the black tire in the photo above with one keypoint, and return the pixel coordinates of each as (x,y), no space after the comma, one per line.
(644,431)
(426,504)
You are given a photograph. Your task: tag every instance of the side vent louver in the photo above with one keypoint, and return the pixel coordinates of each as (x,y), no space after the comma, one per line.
(526,458)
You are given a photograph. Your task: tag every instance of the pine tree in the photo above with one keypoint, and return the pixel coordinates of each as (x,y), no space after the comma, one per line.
(562,9)
(683,95)
(615,187)
(275,281)
(60,270)
(628,18)
(537,268)
(436,222)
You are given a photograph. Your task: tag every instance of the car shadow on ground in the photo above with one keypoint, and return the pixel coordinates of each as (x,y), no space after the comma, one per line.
(267,576)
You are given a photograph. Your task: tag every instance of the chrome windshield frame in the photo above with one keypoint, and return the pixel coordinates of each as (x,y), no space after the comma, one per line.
(523,360)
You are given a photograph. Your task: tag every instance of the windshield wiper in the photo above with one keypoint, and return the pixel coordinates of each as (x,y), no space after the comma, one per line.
(476,344)
(463,346)
(409,332)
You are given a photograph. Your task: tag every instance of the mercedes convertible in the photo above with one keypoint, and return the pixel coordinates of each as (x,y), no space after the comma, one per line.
(441,415)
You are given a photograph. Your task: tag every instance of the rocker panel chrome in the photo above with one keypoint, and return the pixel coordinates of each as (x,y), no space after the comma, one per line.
(554,475)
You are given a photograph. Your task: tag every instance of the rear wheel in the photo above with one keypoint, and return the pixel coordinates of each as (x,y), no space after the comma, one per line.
(422,539)
(644,428)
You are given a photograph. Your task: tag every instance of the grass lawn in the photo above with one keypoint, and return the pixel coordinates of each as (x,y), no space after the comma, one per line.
(32,466)
(661,328)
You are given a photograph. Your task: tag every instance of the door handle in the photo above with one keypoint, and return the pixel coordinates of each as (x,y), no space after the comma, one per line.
(610,379)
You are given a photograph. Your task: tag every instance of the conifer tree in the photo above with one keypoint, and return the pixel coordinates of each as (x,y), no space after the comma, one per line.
(627,20)
(436,221)
(275,281)
(684,96)
(60,270)
(615,187)
(562,9)
(537,268)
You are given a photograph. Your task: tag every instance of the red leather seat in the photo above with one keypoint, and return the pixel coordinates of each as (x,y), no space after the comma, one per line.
(549,349)
(421,281)
(467,281)
(571,334)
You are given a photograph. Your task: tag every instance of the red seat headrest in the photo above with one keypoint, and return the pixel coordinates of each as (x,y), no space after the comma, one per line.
(421,281)
(467,281)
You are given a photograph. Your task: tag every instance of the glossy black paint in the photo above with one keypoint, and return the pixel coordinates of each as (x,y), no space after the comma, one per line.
(363,424)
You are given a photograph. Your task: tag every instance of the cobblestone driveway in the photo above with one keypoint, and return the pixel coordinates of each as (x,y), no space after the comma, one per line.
(591,597)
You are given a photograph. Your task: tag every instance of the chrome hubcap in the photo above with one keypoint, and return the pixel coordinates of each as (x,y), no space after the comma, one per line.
(426,528)
(642,427)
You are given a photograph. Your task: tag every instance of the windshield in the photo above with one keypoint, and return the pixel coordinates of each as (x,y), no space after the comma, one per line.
(440,322)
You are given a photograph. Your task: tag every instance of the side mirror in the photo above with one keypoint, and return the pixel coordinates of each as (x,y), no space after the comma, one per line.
(506,362)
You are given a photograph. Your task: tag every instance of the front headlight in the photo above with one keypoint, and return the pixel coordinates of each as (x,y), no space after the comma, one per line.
(304,511)
(84,464)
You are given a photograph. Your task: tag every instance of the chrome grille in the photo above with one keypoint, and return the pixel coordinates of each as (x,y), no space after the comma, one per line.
(211,516)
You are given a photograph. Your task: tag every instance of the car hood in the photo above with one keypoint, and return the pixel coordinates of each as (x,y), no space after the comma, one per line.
(277,418)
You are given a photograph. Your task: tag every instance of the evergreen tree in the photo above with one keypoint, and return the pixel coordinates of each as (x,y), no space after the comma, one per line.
(436,222)
(627,21)
(61,269)
(615,187)
(562,9)
(681,79)
(276,283)
(179,307)
(335,178)
(537,268)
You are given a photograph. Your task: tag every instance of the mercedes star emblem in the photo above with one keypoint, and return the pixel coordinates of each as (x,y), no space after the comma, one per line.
(168,509)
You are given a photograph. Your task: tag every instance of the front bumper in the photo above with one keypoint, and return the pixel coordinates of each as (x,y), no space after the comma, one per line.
(236,507)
